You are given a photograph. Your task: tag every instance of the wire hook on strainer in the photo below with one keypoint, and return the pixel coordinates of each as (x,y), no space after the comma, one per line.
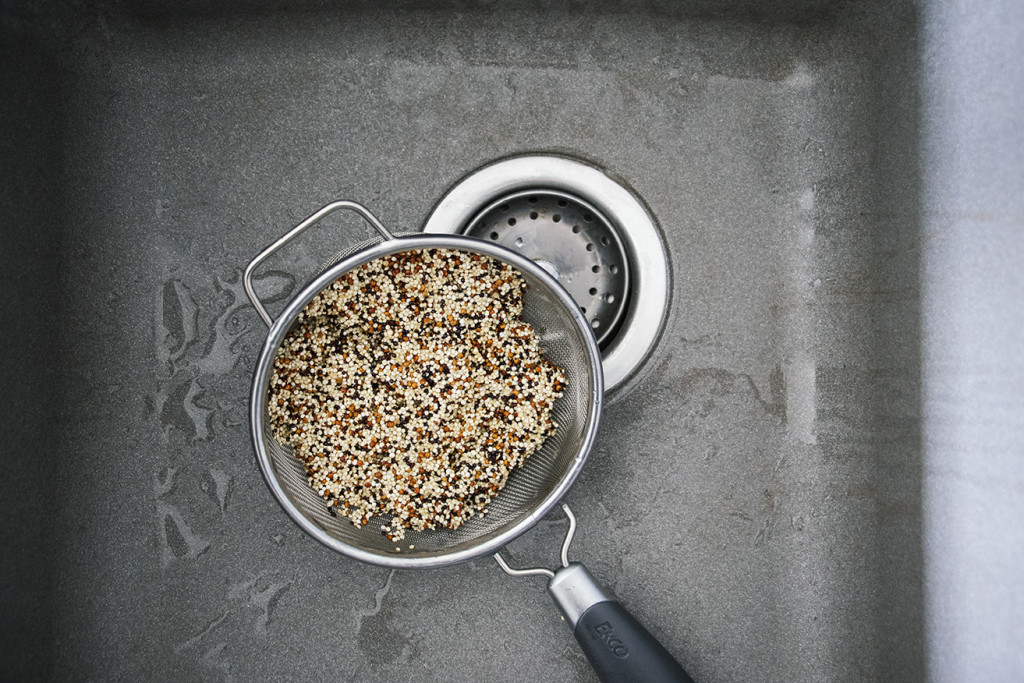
(541,571)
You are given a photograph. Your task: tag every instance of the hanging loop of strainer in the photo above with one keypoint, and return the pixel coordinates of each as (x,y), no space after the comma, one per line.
(295,232)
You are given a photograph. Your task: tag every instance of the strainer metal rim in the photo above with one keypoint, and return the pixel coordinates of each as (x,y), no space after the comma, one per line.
(279,328)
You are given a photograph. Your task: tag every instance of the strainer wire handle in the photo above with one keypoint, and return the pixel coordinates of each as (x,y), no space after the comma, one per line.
(543,571)
(295,232)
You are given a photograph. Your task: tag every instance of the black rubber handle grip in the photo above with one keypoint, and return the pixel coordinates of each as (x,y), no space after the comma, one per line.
(621,650)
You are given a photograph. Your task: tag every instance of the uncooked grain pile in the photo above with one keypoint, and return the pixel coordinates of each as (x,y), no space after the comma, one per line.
(410,387)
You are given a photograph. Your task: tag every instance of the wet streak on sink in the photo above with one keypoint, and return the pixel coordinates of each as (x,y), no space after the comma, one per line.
(754,492)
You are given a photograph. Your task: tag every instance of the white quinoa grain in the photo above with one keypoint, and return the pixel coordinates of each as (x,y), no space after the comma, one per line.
(411,388)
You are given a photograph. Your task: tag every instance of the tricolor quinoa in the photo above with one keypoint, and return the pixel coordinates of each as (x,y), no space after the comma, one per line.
(411,387)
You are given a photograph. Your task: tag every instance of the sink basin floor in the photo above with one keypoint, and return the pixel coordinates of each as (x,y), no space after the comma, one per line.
(754,496)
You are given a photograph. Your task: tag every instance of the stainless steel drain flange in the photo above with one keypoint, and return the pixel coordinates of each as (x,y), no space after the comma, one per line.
(570,239)
(626,297)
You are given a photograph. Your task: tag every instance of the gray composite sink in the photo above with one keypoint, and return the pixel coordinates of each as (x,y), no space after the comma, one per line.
(815,475)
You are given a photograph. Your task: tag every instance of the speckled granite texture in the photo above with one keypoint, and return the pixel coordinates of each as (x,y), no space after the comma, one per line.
(754,496)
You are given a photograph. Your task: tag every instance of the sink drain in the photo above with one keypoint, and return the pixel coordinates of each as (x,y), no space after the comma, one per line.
(570,239)
(584,228)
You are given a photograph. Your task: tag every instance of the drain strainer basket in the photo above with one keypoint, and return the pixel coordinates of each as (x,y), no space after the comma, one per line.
(570,239)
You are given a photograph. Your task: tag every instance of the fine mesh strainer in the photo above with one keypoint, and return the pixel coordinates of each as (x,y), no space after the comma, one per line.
(612,642)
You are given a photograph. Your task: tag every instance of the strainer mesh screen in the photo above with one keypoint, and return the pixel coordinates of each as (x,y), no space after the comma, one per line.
(527,486)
